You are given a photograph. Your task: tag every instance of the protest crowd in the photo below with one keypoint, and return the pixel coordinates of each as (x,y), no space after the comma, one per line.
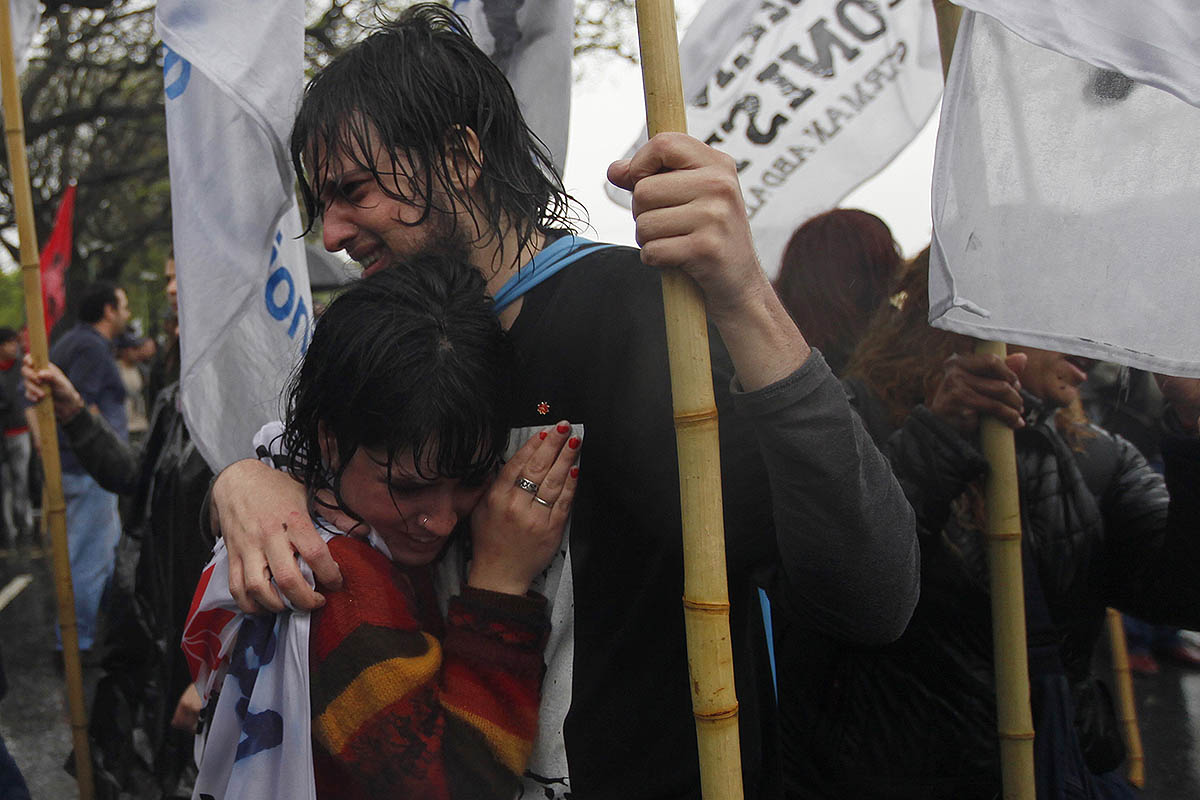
(425,540)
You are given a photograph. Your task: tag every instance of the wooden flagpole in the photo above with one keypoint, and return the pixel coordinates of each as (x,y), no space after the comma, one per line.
(54,507)
(706,595)
(1002,502)
(1126,708)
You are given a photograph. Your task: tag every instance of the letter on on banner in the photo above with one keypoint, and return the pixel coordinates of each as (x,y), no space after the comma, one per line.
(532,43)
(232,82)
(810,100)
(1064,198)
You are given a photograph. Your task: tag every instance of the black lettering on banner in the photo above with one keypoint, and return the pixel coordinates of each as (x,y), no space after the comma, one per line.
(773,75)
(757,198)
(872,11)
(750,105)
(823,42)
(859,99)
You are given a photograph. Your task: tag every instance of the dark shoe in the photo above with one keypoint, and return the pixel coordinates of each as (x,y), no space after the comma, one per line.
(1187,655)
(1142,663)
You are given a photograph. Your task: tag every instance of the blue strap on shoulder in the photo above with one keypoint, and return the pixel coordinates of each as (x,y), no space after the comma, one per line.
(765,602)
(561,253)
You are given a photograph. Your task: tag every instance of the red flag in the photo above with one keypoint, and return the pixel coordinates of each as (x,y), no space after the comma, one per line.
(56,257)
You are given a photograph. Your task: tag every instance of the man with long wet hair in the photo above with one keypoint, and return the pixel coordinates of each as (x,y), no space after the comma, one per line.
(412,141)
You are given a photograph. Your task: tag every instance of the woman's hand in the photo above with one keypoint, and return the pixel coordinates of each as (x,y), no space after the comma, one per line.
(1183,396)
(980,384)
(51,381)
(518,525)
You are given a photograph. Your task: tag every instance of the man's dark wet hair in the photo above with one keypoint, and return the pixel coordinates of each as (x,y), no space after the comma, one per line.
(409,359)
(95,297)
(7,335)
(414,84)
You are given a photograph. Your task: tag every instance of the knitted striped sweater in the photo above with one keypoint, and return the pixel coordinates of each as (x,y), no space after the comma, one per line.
(401,709)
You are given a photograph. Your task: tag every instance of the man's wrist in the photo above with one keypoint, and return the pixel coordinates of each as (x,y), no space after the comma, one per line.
(763,341)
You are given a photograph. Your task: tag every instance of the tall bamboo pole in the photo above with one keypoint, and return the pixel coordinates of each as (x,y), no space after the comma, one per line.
(1126,708)
(705,594)
(1002,502)
(54,508)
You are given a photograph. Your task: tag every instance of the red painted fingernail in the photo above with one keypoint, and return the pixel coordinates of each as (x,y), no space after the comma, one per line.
(574,472)
(563,427)
(542,435)
(573,442)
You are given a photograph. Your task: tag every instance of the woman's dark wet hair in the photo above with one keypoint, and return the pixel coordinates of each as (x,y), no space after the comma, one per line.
(413,85)
(409,359)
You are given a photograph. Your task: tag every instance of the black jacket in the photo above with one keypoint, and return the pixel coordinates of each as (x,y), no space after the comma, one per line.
(917,718)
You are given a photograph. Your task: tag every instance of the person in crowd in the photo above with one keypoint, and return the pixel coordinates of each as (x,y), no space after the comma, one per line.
(1128,402)
(917,718)
(129,365)
(164,367)
(837,268)
(16,510)
(395,427)
(145,693)
(85,355)
(412,139)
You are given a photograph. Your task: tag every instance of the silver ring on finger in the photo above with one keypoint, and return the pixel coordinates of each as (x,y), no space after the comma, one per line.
(542,502)
(524,483)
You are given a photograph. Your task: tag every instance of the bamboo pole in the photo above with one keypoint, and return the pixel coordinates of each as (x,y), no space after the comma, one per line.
(54,508)
(706,596)
(1126,708)
(1002,502)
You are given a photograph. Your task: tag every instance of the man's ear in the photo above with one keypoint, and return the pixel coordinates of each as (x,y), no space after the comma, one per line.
(464,157)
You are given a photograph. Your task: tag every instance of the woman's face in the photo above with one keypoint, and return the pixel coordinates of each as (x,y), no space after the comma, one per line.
(414,515)
(1053,377)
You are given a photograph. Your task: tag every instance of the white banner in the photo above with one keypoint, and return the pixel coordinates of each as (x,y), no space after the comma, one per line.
(26,19)
(233,78)
(810,98)
(532,43)
(1151,41)
(1064,203)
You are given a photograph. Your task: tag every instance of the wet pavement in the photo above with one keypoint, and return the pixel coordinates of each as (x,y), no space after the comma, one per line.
(33,717)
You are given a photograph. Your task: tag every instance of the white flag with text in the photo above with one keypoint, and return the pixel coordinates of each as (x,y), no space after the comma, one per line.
(233,78)
(811,99)
(1065,191)
(532,43)
(26,18)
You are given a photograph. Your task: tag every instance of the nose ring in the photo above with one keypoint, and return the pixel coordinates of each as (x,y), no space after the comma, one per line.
(424,521)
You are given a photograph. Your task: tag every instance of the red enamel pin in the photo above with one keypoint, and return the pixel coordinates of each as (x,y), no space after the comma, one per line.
(543,408)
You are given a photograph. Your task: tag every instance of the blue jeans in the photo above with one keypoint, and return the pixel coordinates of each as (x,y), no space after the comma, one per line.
(93,528)
(14,486)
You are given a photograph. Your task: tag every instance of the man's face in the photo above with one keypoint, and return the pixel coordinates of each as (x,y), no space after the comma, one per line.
(11,350)
(121,312)
(374,228)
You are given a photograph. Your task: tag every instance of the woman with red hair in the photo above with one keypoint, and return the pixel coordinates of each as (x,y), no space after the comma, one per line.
(838,267)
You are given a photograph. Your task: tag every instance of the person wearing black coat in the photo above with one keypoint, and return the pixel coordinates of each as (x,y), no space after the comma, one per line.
(145,708)
(917,718)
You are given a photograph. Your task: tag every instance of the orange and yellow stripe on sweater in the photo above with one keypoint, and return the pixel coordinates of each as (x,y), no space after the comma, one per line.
(398,713)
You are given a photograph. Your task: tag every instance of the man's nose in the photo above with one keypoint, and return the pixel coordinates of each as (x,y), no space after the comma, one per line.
(336,228)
